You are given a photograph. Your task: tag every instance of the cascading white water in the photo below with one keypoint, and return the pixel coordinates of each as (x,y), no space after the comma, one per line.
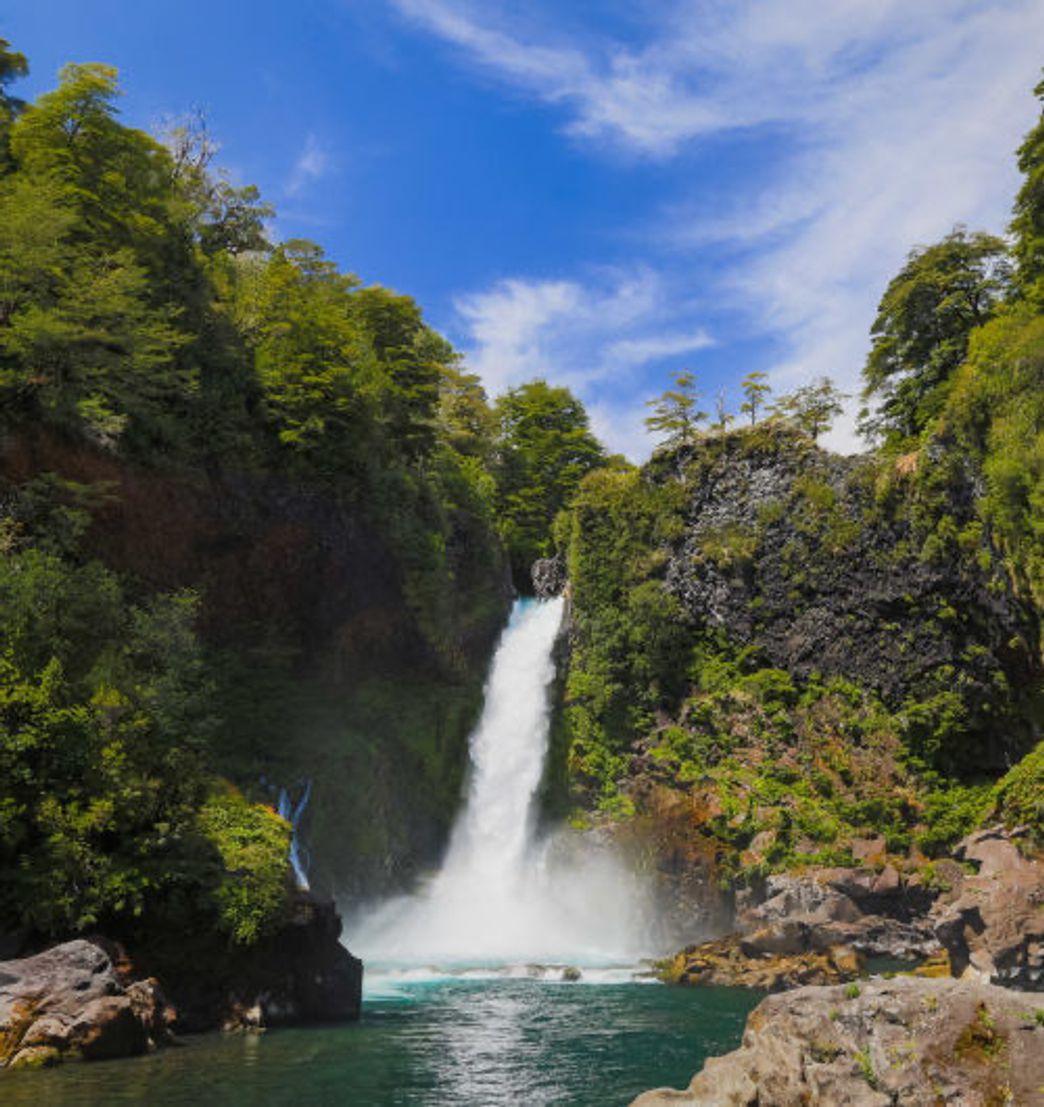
(502,896)
(492,840)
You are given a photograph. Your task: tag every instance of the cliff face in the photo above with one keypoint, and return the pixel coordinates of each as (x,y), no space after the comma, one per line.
(834,567)
(315,622)
(805,651)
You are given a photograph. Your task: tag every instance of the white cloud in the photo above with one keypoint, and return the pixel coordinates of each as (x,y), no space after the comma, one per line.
(653,347)
(312,164)
(710,65)
(592,336)
(890,121)
(621,426)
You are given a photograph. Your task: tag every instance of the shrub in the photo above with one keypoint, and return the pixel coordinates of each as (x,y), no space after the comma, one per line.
(250,894)
(1018,797)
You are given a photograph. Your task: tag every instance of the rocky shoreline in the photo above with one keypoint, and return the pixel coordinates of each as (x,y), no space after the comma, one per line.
(908,1041)
(87,999)
(965,1027)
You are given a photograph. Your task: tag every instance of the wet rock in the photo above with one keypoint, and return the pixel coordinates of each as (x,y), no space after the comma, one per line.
(909,1041)
(301,974)
(992,922)
(549,577)
(71,999)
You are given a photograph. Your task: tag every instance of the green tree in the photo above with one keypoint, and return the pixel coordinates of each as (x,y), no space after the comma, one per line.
(996,411)
(756,389)
(13,66)
(414,358)
(320,377)
(80,341)
(466,421)
(544,448)
(1027,226)
(117,179)
(920,335)
(676,415)
(813,407)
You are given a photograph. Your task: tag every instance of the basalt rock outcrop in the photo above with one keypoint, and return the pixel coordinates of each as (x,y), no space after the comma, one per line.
(786,548)
(905,1042)
(76,1000)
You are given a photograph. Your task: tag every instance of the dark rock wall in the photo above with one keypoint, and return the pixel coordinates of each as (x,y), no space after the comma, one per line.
(797,552)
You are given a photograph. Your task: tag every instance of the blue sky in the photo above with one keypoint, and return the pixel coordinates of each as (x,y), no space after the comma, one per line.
(597,192)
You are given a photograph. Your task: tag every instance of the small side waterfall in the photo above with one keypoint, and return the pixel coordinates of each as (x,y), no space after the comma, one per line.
(502,895)
(292,812)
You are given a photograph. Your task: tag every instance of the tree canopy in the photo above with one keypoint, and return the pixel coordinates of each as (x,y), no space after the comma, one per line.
(1027,226)
(756,389)
(676,415)
(924,320)
(812,407)
(544,449)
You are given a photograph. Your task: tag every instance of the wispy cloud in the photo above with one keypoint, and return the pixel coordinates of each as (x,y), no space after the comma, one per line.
(312,164)
(890,121)
(593,336)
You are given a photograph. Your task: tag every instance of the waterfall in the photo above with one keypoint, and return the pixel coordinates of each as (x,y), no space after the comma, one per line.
(292,813)
(503,895)
(492,842)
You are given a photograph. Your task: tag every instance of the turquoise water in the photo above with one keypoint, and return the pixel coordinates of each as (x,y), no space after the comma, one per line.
(444,1042)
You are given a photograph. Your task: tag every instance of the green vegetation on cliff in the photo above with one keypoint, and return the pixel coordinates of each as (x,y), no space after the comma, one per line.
(244,500)
(105,720)
(817,649)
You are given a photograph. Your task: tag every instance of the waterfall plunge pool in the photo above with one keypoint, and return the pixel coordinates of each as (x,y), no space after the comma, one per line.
(431,1041)
(484,1028)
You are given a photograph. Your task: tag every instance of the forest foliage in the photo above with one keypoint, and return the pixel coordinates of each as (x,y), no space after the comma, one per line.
(146,314)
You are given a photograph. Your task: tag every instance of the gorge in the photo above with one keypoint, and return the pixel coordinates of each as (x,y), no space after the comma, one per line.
(312,651)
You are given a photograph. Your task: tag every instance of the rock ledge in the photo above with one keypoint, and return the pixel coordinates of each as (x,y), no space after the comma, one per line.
(909,1041)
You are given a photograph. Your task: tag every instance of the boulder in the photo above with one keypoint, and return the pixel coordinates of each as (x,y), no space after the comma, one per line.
(300,974)
(992,922)
(911,1041)
(72,999)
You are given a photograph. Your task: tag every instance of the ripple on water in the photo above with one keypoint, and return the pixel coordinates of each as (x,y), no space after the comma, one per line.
(436,1043)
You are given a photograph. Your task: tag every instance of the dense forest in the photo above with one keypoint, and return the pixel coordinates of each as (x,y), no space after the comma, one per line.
(245,498)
